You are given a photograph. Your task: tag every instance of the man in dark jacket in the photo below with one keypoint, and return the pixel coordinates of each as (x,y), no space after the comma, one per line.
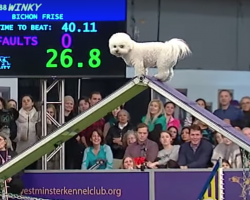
(197,153)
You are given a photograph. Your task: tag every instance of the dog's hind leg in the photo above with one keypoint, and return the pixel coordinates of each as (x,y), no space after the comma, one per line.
(163,68)
(170,75)
(163,74)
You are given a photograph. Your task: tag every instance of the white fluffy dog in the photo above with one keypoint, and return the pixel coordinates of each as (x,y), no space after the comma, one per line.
(149,54)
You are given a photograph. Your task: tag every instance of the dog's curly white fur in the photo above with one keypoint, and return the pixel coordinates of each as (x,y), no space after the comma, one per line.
(164,56)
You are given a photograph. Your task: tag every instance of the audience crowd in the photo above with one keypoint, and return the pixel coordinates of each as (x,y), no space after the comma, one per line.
(159,141)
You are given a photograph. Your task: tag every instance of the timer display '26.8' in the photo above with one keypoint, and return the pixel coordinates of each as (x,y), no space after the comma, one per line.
(67,61)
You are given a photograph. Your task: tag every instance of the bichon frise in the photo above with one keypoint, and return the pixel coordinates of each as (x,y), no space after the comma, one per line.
(164,56)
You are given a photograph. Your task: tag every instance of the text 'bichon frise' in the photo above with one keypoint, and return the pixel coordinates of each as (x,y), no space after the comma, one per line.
(164,56)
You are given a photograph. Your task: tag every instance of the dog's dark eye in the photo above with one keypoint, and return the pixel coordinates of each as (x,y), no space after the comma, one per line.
(114,46)
(122,46)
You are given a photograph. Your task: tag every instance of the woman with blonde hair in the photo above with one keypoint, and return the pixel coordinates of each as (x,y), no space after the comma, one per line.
(156,120)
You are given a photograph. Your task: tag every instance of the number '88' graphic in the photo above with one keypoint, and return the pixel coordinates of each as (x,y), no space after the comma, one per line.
(3,7)
(67,61)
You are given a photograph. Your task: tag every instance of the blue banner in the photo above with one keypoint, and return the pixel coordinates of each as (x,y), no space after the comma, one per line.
(88,186)
(63,10)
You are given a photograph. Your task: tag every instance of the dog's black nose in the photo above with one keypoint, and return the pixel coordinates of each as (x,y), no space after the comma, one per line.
(117,51)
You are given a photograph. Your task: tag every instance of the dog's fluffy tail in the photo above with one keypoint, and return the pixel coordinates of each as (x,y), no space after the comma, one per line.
(178,48)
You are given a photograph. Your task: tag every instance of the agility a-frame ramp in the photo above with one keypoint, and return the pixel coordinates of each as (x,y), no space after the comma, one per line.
(122,95)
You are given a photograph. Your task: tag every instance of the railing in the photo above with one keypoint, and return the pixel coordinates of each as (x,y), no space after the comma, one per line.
(128,185)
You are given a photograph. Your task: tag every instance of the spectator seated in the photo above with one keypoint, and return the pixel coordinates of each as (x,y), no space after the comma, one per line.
(97,153)
(143,147)
(196,153)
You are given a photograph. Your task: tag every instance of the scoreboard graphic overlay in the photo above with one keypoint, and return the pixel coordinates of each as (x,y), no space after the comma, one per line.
(61,39)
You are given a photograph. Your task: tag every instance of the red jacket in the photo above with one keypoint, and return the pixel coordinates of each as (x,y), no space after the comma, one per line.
(97,125)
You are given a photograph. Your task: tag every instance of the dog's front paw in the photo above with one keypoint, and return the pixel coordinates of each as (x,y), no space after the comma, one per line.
(162,77)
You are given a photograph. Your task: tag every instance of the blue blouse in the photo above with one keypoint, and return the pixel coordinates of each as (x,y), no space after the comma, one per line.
(105,153)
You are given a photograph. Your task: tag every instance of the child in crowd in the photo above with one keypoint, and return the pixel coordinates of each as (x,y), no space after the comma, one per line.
(225,164)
